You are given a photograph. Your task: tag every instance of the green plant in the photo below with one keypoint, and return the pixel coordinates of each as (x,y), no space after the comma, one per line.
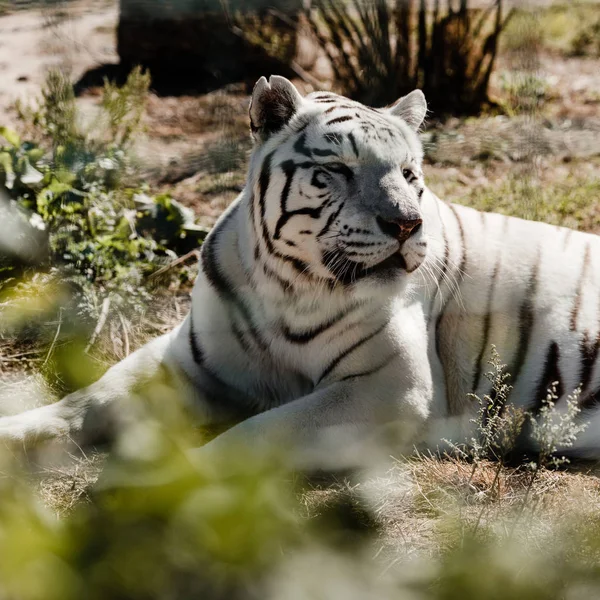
(381,50)
(124,106)
(497,425)
(105,239)
(552,432)
(525,91)
(587,41)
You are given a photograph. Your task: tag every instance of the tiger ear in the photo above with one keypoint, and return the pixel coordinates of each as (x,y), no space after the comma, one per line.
(273,104)
(412,108)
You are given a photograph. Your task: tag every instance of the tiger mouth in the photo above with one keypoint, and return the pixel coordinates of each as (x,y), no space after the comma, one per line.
(388,266)
(395,261)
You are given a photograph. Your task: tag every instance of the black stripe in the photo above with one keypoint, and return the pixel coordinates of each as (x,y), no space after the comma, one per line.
(341,168)
(318,152)
(304,337)
(579,293)
(213,379)
(526,321)
(336,361)
(350,243)
(550,375)
(219,280)
(339,120)
(239,336)
(300,147)
(590,400)
(384,364)
(289,170)
(197,354)
(353,143)
(332,217)
(209,260)
(340,107)
(589,354)
(263,184)
(487,323)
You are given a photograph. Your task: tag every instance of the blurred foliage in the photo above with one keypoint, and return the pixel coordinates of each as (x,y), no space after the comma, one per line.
(167,522)
(569,28)
(524,91)
(173,528)
(380,50)
(104,238)
(587,41)
(273,30)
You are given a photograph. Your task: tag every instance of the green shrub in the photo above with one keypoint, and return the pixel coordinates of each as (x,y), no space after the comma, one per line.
(105,238)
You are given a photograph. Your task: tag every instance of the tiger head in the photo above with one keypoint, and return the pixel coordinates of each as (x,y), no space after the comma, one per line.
(336,185)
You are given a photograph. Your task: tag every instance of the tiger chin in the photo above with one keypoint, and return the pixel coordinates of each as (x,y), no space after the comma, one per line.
(343,312)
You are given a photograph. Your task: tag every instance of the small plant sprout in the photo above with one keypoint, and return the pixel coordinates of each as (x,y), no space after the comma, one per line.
(553,430)
(497,424)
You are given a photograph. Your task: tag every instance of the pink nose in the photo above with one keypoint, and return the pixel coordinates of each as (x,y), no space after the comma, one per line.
(399,229)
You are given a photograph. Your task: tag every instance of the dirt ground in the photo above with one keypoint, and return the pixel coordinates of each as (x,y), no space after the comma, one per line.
(74,37)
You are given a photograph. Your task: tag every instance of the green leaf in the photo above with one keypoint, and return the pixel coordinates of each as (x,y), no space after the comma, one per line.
(64,176)
(35,154)
(7,167)
(57,188)
(10,136)
(6,162)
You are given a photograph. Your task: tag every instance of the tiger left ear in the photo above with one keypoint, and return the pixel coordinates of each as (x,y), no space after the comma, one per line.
(273,104)
(412,108)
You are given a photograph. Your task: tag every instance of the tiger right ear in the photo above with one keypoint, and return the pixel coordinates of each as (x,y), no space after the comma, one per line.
(412,108)
(273,104)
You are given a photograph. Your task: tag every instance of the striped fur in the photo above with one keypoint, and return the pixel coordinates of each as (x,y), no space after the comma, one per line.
(338,297)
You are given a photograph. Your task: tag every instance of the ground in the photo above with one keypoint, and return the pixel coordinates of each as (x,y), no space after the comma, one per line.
(536,156)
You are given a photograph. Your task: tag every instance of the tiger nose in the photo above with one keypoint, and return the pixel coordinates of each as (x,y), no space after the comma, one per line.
(399,229)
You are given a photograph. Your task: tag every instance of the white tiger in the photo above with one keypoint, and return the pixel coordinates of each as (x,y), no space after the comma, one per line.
(339,299)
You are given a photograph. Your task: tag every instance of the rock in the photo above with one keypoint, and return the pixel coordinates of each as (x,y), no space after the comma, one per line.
(195,45)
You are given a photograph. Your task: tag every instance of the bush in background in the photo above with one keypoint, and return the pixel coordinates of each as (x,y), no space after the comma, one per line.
(380,50)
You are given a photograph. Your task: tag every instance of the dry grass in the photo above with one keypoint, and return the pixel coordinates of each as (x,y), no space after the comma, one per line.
(421,500)
(63,488)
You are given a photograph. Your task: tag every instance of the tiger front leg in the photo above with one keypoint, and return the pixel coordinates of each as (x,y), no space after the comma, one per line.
(350,423)
(99,412)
